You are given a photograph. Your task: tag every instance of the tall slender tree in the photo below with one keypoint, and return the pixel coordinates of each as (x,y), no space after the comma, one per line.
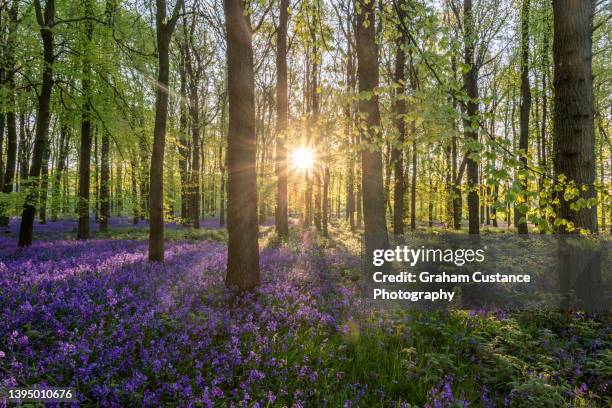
(164,30)
(105,181)
(86,128)
(242,227)
(470,83)
(375,226)
(400,109)
(521,225)
(45,18)
(7,183)
(282,227)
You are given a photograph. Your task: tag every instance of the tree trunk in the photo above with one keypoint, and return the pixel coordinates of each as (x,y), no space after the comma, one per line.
(105,182)
(45,19)
(397,154)
(144,168)
(183,150)
(413,186)
(119,189)
(574,115)
(44,186)
(60,168)
(86,139)
(525,109)
(352,139)
(165,27)
(135,203)
(11,120)
(325,215)
(282,111)
(375,225)
(194,113)
(222,187)
(470,81)
(243,247)
(578,266)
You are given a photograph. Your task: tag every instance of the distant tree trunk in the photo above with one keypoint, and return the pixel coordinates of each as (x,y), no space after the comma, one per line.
(544,123)
(194,113)
(44,186)
(135,203)
(222,192)
(144,176)
(164,30)
(2,123)
(119,189)
(45,19)
(183,149)
(11,120)
(359,204)
(86,137)
(525,109)
(281,216)
(243,247)
(325,215)
(413,186)
(375,233)
(11,161)
(105,182)
(317,197)
(60,167)
(470,81)
(352,139)
(397,154)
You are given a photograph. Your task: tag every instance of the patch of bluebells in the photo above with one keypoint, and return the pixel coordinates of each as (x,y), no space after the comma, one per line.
(97,316)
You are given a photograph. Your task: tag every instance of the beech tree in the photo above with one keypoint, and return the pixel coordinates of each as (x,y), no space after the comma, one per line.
(164,29)
(574,126)
(242,223)
(282,227)
(525,111)
(86,130)
(375,225)
(45,18)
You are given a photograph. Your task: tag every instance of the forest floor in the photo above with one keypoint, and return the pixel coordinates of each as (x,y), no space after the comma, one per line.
(95,315)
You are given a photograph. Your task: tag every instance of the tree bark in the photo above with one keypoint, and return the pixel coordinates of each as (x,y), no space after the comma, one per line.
(397,154)
(45,19)
(282,111)
(44,186)
(524,113)
(282,226)
(413,186)
(243,246)
(86,138)
(470,81)
(183,150)
(222,187)
(574,153)
(105,182)
(165,28)
(194,113)
(11,120)
(375,226)
(578,266)
(60,168)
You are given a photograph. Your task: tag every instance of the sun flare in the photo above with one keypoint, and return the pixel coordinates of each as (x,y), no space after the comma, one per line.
(303,158)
